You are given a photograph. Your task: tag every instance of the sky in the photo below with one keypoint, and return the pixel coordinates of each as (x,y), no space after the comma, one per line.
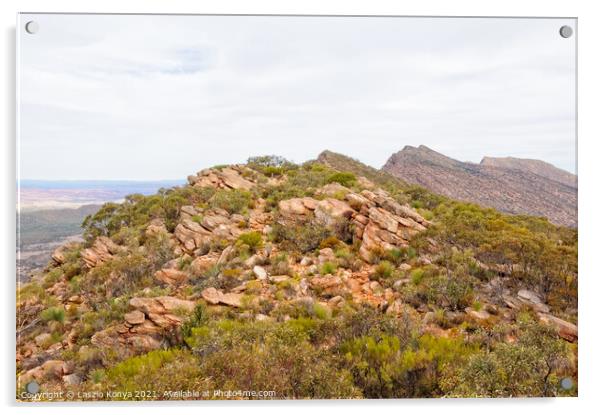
(107,97)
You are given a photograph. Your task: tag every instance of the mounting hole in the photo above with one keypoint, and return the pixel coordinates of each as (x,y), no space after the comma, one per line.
(32,27)
(566,31)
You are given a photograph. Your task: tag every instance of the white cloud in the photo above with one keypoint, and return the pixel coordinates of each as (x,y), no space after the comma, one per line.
(156,97)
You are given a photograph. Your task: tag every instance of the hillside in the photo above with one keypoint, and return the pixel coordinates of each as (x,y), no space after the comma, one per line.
(541,168)
(323,280)
(508,185)
(39,232)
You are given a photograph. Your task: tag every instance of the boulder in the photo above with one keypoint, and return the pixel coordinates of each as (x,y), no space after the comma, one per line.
(161,305)
(532,299)
(72,379)
(211,295)
(477,315)
(329,211)
(260,272)
(203,263)
(214,296)
(385,220)
(134,317)
(155,227)
(58,256)
(226,178)
(566,330)
(327,285)
(171,276)
(295,207)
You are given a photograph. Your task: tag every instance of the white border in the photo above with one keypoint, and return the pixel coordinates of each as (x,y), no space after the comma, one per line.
(590,134)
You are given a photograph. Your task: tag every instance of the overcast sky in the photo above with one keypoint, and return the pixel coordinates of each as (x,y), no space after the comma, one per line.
(161,97)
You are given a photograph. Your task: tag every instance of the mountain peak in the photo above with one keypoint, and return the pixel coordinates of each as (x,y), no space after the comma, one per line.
(512,185)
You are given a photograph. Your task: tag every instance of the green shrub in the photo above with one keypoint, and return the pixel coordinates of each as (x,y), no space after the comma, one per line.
(417,275)
(384,270)
(198,319)
(300,236)
(159,370)
(321,312)
(330,242)
(344,178)
(233,201)
(251,239)
(53,314)
(328,268)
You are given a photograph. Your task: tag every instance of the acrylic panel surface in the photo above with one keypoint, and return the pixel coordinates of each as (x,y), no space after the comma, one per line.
(281,207)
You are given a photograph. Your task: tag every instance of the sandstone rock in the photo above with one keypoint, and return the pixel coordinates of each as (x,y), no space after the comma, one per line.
(385,220)
(171,276)
(327,285)
(533,300)
(107,338)
(155,227)
(214,296)
(329,211)
(192,235)
(134,317)
(260,272)
(226,178)
(148,327)
(211,295)
(143,343)
(478,315)
(187,212)
(305,261)
(276,279)
(225,255)
(202,264)
(326,255)
(161,305)
(58,256)
(72,379)
(336,301)
(234,180)
(566,330)
(232,299)
(174,304)
(293,207)
(165,320)
(102,250)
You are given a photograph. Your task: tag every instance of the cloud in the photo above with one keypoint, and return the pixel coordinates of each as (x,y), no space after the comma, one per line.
(159,97)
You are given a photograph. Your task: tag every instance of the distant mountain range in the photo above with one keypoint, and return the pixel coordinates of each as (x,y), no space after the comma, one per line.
(511,185)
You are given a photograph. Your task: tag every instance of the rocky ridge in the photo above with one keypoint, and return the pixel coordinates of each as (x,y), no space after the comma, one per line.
(378,222)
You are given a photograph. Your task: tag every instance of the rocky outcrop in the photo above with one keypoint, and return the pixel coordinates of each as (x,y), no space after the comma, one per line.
(233,177)
(566,330)
(58,255)
(146,325)
(195,230)
(380,223)
(171,276)
(101,251)
(214,297)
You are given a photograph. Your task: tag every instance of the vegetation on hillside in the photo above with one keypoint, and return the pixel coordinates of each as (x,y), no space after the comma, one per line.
(429,318)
